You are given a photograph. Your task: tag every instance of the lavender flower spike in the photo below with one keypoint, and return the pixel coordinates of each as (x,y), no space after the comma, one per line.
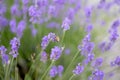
(55,53)
(60,70)
(66,24)
(3,55)
(53,71)
(78,70)
(15,43)
(43,57)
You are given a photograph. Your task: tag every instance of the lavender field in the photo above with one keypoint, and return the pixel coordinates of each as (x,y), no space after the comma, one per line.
(59,40)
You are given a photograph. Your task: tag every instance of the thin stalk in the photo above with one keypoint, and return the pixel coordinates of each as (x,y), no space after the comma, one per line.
(9,68)
(71,77)
(33,64)
(63,37)
(47,70)
(6,72)
(16,73)
(73,59)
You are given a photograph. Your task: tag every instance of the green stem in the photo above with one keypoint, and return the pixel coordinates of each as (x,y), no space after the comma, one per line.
(47,70)
(9,69)
(34,63)
(6,72)
(63,36)
(16,73)
(71,62)
(71,77)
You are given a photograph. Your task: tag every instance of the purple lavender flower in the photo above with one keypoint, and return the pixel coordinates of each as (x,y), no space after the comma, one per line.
(117,60)
(53,25)
(101,4)
(53,71)
(89,28)
(115,24)
(3,22)
(2,9)
(117,2)
(97,63)
(60,2)
(3,54)
(102,46)
(66,24)
(46,39)
(60,70)
(33,11)
(71,13)
(78,70)
(45,42)
(88,12)
(25,2)
(5,59)
(15,43)
(2,50)
(52,10)
(15,11)
(42,3)
(43,57)
(13,25)
(97,75)
(52,36)
(90,57)
(55,53)
(33,30)
(35,14)
(114,36)
(67,51)
(87,38)
(20,28)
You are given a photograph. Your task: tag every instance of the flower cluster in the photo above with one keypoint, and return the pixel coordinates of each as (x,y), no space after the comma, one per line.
(15,43)
(4,56)
(78,70)
(55,53)
(43,57)
(104,46)
(47,39)
(97,75)
(116,62)
(56,70)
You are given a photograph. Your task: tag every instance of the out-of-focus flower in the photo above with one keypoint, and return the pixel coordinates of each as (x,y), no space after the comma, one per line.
(89,28)
(12,24)
(4,56)
(15,10)
(56,70)
(67,51)
(97,75)
(60,70)
(97,63)
(116,61)
(2,9)
(20,28)
(43,57)
(79,69)
(66,24)
(55,53)
(53,71)
(2,50)
(45,42)
(3,22)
